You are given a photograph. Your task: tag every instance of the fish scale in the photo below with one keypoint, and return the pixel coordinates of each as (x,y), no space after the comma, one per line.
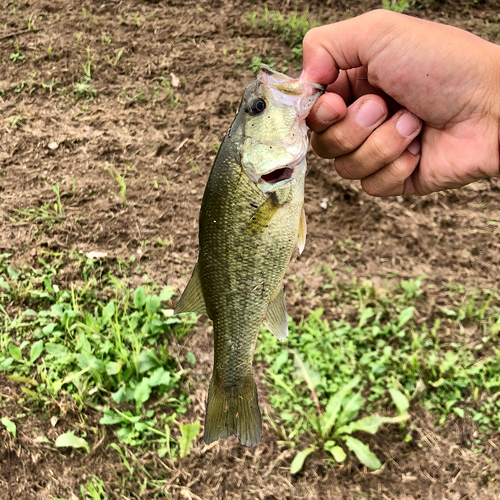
(250,220)
(237,295)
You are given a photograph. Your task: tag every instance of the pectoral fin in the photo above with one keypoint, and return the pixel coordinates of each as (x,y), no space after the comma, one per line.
(192,299)
(276,318)
(301,240)
(263,216)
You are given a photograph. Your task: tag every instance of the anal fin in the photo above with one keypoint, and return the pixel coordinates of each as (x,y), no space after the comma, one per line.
(301,240)
(192,298)
(276,318)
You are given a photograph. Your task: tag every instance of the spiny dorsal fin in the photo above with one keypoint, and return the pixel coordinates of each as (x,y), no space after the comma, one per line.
(301,240)
(276,318)
(262,217)
(192,299)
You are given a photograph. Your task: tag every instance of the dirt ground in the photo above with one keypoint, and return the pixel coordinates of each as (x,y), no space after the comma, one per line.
(166,149)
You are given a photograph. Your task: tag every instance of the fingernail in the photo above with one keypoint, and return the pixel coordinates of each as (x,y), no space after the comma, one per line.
(415,146)
(407,124)
(326,113)
(370,113)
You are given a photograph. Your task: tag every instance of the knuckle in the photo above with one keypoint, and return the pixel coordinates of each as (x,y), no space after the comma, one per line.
(396,172)
(333,142)
(321,147)
(380,149)
(343,142)
(346,168)
(401,168)
(378,14)
(390,179)
(371,187)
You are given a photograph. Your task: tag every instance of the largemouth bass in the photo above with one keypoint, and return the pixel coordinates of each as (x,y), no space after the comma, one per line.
(250,220)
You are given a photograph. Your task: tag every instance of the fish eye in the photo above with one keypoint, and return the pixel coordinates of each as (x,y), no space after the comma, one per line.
(257,106)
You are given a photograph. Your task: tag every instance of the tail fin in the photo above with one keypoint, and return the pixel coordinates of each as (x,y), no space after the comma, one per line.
(233,412)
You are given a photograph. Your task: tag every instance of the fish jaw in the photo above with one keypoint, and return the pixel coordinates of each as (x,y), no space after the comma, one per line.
(275,143)
(271,165)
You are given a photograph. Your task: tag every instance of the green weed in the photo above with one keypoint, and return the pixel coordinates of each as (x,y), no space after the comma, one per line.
(120,179)
(336,424)
(46,215)
(17,57)
(108,349)
(58,208)
(137,19)
(50,86)
(397,5)
(94,489)
(30,23)
(84,88)
(395,356)
(291,28)
(163,90)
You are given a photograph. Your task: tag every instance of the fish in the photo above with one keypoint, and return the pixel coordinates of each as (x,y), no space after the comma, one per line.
(251,218)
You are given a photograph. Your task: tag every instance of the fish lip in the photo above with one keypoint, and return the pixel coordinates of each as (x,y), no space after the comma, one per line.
(275,79)
(296,92)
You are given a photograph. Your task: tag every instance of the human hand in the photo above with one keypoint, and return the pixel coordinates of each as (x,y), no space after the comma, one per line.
(415,109)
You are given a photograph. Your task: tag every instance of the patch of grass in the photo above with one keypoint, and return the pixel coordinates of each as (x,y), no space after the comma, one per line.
(84,88)
(45,216)
(382,339)
(50,86)
(17,57)
(16,121)
(106,346)
(163,91)
(120,179)
(291,28)
(397,5)
(110,348)
(94,489)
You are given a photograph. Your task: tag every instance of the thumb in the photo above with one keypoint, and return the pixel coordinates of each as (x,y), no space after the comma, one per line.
(346,44)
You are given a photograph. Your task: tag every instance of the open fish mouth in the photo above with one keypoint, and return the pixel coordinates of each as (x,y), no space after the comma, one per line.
(278,175)
(282,175)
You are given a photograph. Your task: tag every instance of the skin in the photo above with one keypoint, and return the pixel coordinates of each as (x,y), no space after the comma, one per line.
(412,106)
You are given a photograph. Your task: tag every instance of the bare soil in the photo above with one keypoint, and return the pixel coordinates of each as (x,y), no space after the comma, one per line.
(166,150)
